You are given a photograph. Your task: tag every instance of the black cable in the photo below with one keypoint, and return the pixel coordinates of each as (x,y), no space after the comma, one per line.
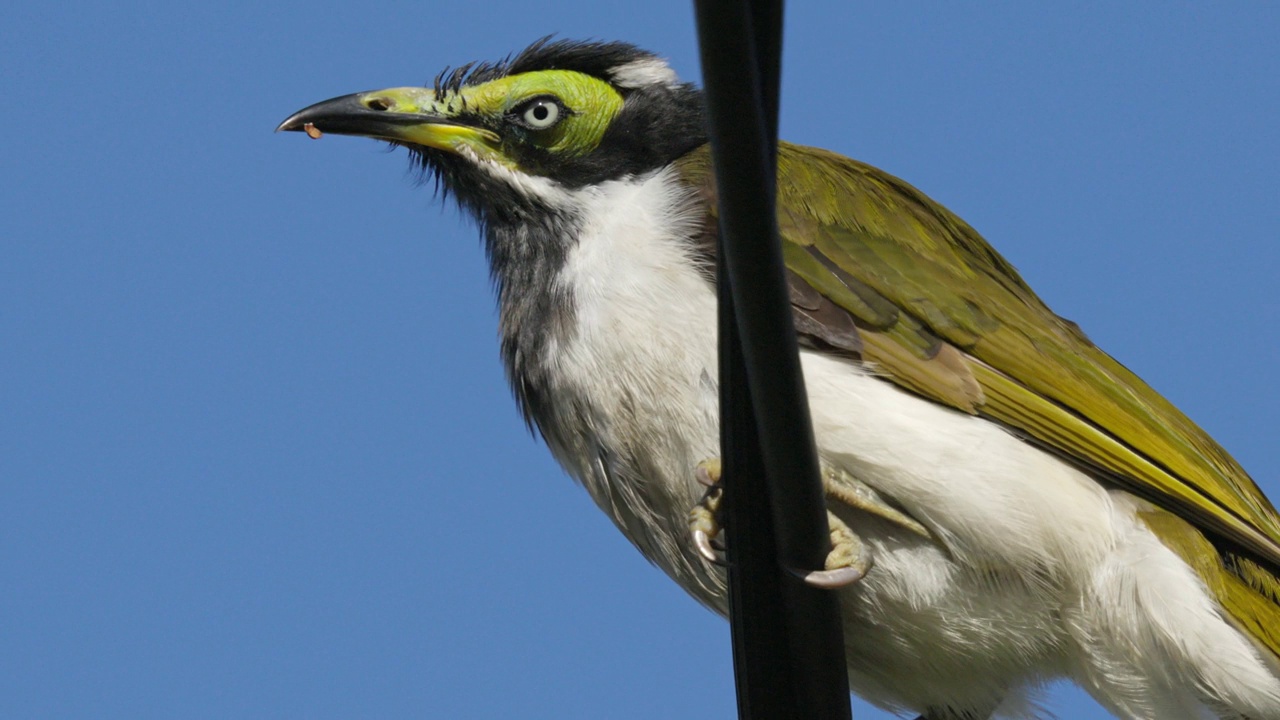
(788,643)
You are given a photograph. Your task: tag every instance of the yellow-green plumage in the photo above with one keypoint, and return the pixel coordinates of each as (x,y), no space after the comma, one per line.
(925,291)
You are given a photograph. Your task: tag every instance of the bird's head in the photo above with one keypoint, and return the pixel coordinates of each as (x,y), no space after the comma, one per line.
(517,135)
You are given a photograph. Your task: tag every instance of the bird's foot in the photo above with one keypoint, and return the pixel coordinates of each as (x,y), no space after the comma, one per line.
(848,561)
(840,485)
(705,517)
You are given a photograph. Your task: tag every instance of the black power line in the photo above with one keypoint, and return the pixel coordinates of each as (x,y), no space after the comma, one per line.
(788,646)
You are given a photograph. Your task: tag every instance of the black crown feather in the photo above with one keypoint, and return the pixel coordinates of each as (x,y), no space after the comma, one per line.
(587,57)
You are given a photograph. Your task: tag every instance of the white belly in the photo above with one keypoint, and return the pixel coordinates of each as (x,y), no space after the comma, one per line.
(1028,546)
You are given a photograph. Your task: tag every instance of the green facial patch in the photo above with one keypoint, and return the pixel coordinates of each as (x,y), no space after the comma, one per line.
(486,119)
(591,105)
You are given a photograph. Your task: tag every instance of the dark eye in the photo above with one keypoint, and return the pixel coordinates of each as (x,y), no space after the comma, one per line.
(539,114)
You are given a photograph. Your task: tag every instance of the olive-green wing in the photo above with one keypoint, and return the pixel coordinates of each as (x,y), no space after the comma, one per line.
(880,270)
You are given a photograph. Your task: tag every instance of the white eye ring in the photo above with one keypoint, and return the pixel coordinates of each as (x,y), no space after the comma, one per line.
(541,114)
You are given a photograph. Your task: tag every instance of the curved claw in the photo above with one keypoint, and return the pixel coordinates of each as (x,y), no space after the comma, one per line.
(847,563)
(705,548)
(831,579)
(708,472)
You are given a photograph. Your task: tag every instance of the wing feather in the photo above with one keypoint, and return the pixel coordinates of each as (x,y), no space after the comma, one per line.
(943,315)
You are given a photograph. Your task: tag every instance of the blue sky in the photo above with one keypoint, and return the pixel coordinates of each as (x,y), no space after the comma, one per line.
(257,457)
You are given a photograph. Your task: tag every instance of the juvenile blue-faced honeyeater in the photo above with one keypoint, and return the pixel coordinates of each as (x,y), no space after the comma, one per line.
(1008,503)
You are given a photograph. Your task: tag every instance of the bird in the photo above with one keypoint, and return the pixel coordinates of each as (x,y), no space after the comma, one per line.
(1008,504)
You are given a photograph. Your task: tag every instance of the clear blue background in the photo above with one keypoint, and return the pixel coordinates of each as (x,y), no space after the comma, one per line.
(257,457)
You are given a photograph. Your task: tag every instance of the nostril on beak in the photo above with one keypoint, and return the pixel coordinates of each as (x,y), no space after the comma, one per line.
(379,104)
